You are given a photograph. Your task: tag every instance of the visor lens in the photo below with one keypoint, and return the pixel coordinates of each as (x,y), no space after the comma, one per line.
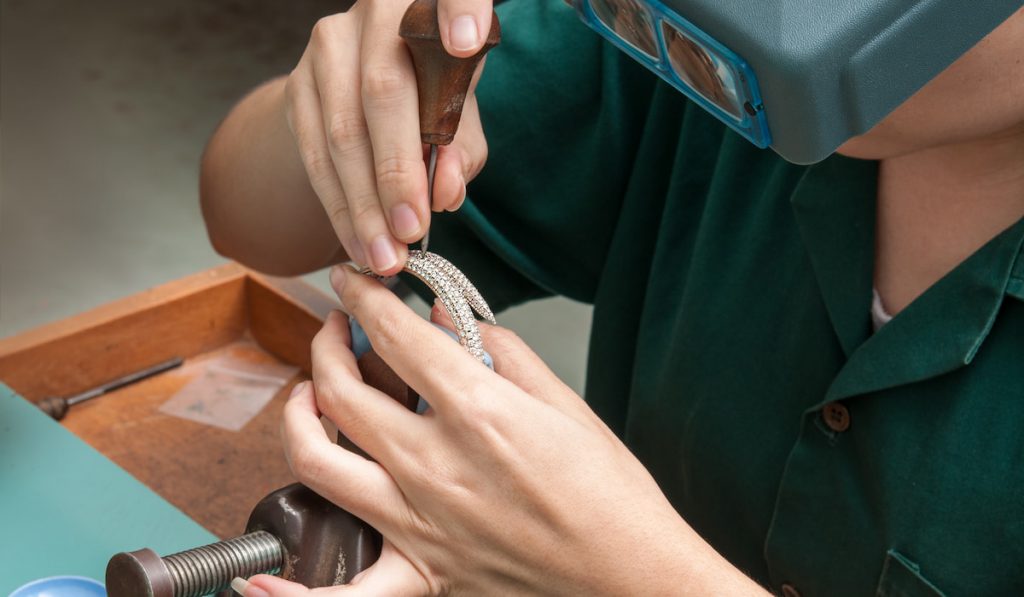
(631,21)
(703,70)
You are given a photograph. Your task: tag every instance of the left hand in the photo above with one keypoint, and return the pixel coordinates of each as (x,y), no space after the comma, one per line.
(509,484)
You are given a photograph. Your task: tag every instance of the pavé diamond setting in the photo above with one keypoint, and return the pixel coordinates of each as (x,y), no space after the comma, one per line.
(458,295)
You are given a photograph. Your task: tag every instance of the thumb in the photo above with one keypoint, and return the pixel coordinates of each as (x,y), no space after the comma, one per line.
(265,585)
(464,25)
(461,161)
(392,575)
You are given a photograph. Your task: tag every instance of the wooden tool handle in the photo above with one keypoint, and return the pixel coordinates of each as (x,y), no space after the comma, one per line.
(442,79)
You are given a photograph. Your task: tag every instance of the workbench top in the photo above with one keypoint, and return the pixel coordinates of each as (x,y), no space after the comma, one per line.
(67,508)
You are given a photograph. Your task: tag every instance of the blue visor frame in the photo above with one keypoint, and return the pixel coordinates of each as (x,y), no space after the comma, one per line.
(710,74)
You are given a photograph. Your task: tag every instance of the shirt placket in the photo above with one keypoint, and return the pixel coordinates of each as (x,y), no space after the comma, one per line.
(824,525)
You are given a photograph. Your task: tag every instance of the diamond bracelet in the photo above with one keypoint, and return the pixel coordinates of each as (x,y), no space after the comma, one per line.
(458,295)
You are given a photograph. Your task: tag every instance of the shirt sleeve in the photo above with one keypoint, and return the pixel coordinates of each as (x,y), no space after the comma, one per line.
(563,112)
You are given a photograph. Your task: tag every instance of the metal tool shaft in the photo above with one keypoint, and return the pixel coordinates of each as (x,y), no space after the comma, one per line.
(57,407)
(431,169)
(125,380)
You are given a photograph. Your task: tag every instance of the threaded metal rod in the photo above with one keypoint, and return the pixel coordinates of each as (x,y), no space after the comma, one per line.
(196,572)
(210,568)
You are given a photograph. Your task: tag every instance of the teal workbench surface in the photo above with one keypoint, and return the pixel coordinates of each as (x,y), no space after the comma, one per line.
(66,508)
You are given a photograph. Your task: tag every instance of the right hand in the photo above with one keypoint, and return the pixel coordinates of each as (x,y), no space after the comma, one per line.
(352,107)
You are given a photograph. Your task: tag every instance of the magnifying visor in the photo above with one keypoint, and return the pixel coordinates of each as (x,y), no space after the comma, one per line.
(799,76)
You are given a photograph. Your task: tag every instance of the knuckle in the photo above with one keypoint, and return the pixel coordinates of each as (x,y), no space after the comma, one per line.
(489,427)
(306,462)
(321,348)
(292,90)
(288,414)
(347,130)
(477,159)
(322,179)
(387,329)
(325,29)
(334,399)
(473,154)
(481,157)
(383,83)
(353,303)
(478,413)
(319,165)
(397,175)
(476,407)
(438,473)
(337,211)
(327,386)
(365,210)
(499,337)
(320,342)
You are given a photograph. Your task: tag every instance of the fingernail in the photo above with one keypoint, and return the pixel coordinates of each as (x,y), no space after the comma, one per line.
(337,276)
(247,589)
(405,220)
(383,253)
(435,311)
(463,33)
(298,389)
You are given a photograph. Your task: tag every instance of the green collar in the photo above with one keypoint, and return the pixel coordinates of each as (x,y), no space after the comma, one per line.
(834,205)
(940,331)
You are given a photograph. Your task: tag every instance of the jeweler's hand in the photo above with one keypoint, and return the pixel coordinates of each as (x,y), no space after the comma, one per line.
(352,107)
(510,484)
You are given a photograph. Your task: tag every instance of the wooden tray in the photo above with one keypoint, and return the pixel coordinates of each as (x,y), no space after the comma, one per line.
(215,476)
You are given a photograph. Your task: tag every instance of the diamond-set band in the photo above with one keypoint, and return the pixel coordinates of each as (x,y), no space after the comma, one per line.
(458,295)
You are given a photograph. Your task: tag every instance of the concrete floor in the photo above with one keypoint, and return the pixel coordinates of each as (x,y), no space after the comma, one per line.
(105,108)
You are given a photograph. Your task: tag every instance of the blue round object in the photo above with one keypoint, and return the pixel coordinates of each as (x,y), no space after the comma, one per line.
(61,586)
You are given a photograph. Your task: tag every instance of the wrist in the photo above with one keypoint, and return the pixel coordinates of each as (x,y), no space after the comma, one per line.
(665,556)
(693,567)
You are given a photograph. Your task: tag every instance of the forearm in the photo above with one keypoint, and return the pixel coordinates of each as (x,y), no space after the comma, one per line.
(256,198)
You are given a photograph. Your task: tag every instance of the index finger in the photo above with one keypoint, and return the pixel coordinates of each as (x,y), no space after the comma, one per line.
(391,108)
(423,356)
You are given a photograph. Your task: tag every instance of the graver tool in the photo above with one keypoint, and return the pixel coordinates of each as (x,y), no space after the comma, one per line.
(442,81)
(57,407)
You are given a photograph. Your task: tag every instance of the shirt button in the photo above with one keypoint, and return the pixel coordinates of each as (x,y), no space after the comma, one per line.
(836,417)
(789,590)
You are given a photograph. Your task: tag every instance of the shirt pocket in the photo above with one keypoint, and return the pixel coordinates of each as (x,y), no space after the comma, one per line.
(902,578)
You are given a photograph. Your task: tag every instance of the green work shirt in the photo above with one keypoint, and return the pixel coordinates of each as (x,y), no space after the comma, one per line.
(732,347)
